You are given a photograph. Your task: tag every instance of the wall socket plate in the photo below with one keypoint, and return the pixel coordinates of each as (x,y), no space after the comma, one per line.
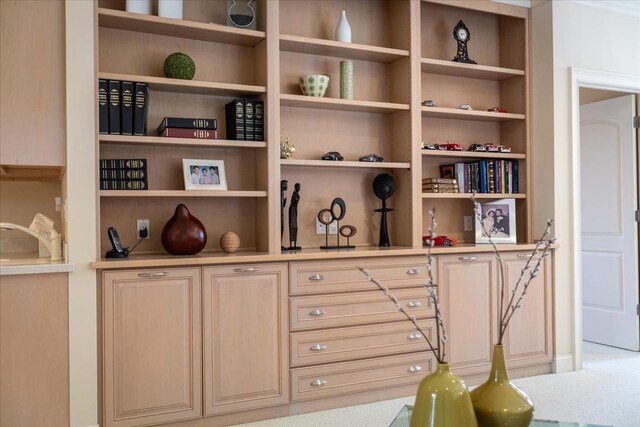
(142,224)
(468,223)
(322,229)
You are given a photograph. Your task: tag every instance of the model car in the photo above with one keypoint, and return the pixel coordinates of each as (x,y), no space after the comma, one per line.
(371,158)
(477,147)
(497,110)
(465,107)
(451,146)
(428,103)
(492,148)
(438,241)
(428,146)
(332,155)
(504,149)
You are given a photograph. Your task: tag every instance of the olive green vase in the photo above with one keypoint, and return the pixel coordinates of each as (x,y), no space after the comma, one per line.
(442,401)
(498,402)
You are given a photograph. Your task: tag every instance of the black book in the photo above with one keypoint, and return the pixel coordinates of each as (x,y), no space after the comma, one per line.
(123,163)
(187,123)
(514,172)
(114,107)
(126,110)
(249,114)
(258,120)
(141,108)
(128,184)
(234,117)
(115,174)
(103,105)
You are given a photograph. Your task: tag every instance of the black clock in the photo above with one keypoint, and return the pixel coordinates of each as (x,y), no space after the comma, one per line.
(462,36)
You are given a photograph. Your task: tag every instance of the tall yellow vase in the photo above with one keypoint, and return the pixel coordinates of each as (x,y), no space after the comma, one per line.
(443,401)
(499,403)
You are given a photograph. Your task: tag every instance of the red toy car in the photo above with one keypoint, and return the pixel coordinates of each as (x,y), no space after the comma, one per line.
(497,110)
(439,241)
(450,146)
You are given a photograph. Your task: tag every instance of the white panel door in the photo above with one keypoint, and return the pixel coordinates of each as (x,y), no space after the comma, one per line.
(609,230)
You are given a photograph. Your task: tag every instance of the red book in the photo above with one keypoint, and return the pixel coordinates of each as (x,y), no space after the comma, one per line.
(189,133)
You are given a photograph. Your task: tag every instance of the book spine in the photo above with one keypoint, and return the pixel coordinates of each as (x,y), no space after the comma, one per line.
(234,117)
(440,190)
(140,108)
(491,176)
(258,120)
(441,186)
(114,107)
(467,177)
(515,177)
(103,106)
(439,180)
(503,181)
(509,177)
(483,176)
(459,169)
(126,117)
(189,133)
(123,163)
(120,174)
(128,184)
(187,123)
(249,117)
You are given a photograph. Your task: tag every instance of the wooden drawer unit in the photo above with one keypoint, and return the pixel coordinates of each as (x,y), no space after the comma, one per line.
(337,345)
(343,276)
(357,308)
(350,377)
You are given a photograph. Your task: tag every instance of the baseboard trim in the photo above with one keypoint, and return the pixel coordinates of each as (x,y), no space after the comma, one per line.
(563,363)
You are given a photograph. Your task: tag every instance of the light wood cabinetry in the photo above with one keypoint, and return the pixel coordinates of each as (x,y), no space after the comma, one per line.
(152,346)
(245,337)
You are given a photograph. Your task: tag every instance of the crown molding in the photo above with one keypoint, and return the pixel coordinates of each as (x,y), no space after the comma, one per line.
(626,7)
(521,3)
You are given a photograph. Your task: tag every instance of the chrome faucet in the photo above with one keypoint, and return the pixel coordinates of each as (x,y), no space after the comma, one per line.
(42,229)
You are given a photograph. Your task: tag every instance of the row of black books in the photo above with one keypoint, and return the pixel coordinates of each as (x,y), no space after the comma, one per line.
(245,120)
(123,174)
(187,127)
(484,176)
(123,107)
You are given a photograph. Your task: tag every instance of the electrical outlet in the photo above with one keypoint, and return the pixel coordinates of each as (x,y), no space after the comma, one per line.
(142,230)
(320,227)
(333,227)
(468,223)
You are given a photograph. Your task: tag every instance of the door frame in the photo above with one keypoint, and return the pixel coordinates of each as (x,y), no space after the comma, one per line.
(580,77)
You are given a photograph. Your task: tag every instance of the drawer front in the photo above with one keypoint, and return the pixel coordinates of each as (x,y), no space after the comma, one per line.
(350,377)
(353,309)
(343,344)
(316,277)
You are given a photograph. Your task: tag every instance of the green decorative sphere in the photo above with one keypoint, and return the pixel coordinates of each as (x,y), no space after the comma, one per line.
(179,66)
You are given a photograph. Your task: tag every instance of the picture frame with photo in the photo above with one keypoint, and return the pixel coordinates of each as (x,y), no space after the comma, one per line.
(499,219)
(202,174)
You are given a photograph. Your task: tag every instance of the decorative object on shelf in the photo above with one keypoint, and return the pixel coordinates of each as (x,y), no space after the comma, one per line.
(346,79)
(497,110)
(327,216)
(170,8)
(477,148)
(229,242)
(371,158)
(443,398)
(123,174)
(450,146)
(183,234)
(204,174)
(428,240)
(383,187)
(462,35)
(293,219)
(179,65)
(496,222)
(287,149)
(332,155)
(439,185)
(498,402)
(343,29)
(428,103)
(314,84)
(465,107)
(284,186)
(241,14)
(447,172)
(504,149)
(139,6)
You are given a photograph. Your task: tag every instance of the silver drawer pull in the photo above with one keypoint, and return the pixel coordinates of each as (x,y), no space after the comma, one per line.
(412,304)
(416,368)
(415,336)
(158,274)
(523,255)
(316,277)
(318,382)
(246,270)
(318,347)
(468,258)
(413,271)
(317,312)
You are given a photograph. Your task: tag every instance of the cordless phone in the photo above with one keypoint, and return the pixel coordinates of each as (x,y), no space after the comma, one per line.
(118,251)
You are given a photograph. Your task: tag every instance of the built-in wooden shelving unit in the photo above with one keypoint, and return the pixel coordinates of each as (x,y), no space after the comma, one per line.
(311,46)
(344,164)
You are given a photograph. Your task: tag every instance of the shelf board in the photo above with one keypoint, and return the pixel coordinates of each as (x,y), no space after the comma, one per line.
(31,173)
(337,49)
(345,164)
(160,141)
(164,84)
(477,115)
(472,154)
(120,20)
(478,196)
(180,193)
(303,101)
(472,71)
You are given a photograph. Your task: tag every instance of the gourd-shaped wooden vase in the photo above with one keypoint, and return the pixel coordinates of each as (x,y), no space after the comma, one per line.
(183,234)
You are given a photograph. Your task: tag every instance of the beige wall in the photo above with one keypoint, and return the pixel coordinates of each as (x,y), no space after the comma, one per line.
(582,37)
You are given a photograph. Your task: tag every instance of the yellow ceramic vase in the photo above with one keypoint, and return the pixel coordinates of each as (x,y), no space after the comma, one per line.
(442,401)
(498,402)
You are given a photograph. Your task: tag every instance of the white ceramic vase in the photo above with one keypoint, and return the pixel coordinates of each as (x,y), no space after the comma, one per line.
(139,6)
(343,30)
(170,8)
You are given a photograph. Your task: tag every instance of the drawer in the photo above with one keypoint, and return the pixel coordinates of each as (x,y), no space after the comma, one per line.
(315,277)
(364,375)
(343,344)
(351,309)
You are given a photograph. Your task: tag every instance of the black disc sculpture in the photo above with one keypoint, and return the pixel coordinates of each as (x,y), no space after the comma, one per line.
(383,187)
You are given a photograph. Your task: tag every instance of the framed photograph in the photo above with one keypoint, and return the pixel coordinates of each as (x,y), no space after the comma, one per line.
(447,171)
(204,174)
(499,220)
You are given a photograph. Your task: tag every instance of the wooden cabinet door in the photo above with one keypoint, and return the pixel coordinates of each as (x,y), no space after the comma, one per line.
(152,346)
(528,337)
(466,288)
(246,351)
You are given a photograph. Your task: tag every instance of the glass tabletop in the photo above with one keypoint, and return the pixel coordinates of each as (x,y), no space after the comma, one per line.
(404,417)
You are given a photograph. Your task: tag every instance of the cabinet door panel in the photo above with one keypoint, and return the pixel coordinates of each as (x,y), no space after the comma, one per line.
(246,347)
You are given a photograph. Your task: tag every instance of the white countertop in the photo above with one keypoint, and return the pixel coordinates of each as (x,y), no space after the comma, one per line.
(29,263)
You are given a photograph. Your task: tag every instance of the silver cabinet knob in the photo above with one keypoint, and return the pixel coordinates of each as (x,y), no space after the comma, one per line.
(316,277)
(246,270)
(318,383)
(151,275)
(318,347)
(415,368)
(413,271)
(467,258)
(412,304)
(317,312)
(523,255)
(414,336)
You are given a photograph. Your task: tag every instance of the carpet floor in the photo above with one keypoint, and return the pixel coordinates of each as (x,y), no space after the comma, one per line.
(606,391)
